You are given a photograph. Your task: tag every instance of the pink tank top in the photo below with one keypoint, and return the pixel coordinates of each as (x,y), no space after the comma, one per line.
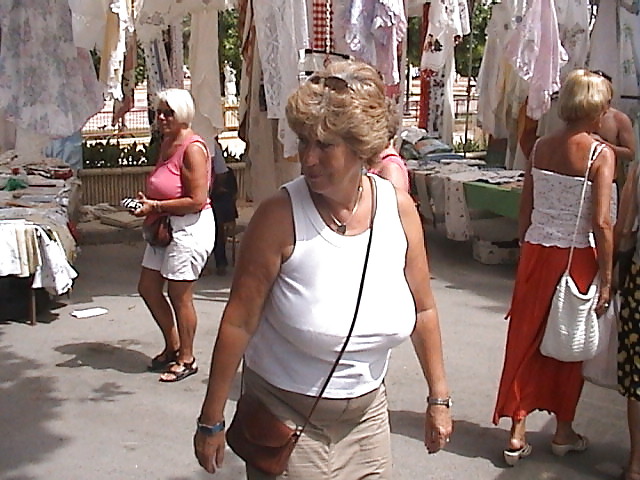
(165,182)
(389,154)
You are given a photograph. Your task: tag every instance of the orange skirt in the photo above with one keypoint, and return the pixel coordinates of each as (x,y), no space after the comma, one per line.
(531,381)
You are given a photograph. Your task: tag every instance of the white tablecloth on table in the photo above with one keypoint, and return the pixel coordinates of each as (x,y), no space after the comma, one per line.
(440,189)
(30,249)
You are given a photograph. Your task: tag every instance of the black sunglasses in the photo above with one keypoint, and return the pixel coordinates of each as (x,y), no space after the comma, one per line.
(333,83)
(166,112)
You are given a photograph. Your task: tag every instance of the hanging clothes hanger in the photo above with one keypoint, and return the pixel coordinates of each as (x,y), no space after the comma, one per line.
(316,58)
(336,54)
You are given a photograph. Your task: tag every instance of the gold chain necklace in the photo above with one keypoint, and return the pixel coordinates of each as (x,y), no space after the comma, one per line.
(341,227)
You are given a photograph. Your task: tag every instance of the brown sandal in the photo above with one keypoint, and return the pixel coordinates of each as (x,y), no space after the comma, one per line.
(161,362)
(179,371)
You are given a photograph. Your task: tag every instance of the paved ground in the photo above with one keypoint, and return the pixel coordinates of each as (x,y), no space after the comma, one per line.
(76,401)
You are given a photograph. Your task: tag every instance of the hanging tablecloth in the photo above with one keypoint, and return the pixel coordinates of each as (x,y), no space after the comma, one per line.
(47,84)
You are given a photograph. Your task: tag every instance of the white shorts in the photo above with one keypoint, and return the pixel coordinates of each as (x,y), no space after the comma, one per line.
(184,258)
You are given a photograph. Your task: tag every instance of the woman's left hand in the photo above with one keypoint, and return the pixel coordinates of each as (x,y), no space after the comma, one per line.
(604,298)
(438,427)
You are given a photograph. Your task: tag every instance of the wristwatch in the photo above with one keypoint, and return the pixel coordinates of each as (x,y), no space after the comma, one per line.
(445,402)
(210,429)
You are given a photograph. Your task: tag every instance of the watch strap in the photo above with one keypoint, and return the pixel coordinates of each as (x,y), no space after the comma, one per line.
(211,429)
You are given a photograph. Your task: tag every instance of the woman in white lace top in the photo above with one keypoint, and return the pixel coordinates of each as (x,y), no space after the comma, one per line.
(548,215)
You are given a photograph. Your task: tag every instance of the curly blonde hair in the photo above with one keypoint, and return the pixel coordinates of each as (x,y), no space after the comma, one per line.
(584,96)
(360,115)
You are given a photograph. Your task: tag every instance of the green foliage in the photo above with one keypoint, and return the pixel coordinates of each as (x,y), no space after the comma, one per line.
(110,154)
(414,40)
(141,68)
(471,145)
(477,38)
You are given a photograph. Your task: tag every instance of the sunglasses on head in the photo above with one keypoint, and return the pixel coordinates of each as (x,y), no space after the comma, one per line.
(166,112)
(602,74)
(333,83)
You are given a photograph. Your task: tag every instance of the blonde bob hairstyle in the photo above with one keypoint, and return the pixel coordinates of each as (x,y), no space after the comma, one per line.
(181,102)
(583,96)
(353,110)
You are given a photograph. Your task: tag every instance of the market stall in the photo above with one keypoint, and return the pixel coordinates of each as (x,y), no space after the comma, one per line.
(39,200)
(530,48)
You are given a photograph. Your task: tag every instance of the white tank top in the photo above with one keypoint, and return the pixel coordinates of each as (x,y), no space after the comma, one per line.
(309,310)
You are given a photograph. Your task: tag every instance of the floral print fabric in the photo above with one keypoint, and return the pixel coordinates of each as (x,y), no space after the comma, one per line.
(47,84)
(629,336)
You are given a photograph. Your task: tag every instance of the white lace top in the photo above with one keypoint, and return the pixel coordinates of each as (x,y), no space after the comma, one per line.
(556,199)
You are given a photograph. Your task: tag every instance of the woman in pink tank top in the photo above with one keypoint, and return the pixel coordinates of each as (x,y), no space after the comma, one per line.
(178,188)
(392,167)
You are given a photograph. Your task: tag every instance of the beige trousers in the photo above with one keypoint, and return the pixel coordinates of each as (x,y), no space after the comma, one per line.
(347,439)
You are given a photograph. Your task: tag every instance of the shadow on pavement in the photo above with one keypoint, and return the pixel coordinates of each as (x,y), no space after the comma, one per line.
(476,441)
(104,356)
(27,404)
(452,263)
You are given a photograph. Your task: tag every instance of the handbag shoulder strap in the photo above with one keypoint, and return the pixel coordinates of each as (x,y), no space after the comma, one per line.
(374,206)
(532,155)
(596,148)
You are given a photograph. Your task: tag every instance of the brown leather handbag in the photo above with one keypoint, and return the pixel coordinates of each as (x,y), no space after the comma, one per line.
(260,438)
(158,233)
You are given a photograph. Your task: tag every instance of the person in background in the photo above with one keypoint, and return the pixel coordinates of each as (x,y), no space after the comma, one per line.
(223,195)
(616,130)
(296,284)
(554,178)
(390,164)
(629,324)
(177,187)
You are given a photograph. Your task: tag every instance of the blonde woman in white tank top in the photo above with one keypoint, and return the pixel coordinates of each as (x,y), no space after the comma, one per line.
(295,288)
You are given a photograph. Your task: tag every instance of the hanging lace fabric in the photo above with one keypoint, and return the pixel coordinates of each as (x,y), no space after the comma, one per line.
(281,32)
(154,21)
(88,22)
(537,55)
(371,30)
(500,90)
(618,53)
(119,24)
(47,84)
(573,26)
(205,71)
(628,84)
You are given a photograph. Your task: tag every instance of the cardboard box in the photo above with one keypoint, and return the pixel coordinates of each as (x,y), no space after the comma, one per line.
(496,252)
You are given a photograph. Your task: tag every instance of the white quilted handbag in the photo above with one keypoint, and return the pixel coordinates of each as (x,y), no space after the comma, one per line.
(572,332)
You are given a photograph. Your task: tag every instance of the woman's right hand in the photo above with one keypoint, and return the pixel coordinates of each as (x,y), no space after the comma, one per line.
(146,208)
(209,450)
